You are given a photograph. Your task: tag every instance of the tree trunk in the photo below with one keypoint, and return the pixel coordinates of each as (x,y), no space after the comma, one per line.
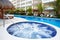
(1,14)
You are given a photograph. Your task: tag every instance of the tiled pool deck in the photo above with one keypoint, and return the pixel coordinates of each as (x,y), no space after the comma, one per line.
(5,36)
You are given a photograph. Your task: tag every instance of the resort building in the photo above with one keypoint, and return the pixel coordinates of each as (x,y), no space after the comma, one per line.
(14,2)
(25,3)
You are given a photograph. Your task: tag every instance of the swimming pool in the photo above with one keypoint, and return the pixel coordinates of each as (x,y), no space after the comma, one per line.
(53,21)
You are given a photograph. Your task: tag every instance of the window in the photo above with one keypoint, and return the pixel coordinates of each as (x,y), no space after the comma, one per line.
(29,2)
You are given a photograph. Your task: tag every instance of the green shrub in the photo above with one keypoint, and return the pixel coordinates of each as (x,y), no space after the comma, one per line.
(58,16)
(22,13)
(9,12)
(30,14)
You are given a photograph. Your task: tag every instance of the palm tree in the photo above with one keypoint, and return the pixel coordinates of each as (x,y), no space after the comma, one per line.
(5,5)
(29,11)
(57,8)
(40,8)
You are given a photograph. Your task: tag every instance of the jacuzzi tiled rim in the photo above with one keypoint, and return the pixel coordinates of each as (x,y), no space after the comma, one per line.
(31,30)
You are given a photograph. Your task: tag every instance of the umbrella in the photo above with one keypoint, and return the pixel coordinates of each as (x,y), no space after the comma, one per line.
(5,5)
(49,8)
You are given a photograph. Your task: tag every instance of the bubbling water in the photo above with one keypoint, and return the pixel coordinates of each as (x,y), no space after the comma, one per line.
(30,30)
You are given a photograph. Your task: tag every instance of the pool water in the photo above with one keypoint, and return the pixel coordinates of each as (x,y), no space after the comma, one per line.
(31,30)
(53,21)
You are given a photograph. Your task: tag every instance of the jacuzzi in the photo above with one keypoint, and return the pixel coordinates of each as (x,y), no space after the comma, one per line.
(31,31)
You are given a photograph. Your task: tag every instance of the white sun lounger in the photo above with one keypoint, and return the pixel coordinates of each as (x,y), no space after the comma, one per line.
(8,16)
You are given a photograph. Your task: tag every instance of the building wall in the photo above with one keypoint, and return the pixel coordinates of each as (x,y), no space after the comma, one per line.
(25,3)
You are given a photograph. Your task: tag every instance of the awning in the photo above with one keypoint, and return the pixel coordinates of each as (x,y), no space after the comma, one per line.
(6,4)
(49,8)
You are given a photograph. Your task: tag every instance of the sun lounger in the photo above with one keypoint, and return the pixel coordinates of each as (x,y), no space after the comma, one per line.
(8,16)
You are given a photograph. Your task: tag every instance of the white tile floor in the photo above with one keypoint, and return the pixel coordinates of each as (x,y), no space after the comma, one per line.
(5,36)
